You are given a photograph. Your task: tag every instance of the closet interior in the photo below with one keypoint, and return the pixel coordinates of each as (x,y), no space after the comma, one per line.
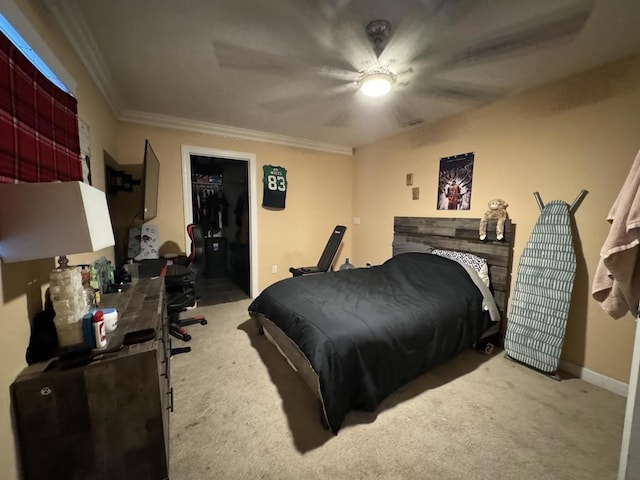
(220,205)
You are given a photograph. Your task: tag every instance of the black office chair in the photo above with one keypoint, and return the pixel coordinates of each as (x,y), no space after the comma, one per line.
(327,257)
(180,284)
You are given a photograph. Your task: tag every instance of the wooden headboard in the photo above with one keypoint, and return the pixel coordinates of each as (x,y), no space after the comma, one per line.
(462,234)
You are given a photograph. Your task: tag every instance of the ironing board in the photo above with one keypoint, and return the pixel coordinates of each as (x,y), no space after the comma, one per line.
(542,293)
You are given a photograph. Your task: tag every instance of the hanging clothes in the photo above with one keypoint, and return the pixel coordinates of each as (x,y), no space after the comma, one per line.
(241,213)
(214,209)
(240,206)
(209,207)
(616,283)
(224,207)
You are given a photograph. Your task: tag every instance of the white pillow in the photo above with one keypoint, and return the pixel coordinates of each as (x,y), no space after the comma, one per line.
(478,264)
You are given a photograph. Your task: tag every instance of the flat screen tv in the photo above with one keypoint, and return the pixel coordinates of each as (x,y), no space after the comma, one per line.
(150,179)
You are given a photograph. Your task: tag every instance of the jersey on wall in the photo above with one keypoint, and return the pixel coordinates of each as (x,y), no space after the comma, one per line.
(275,186)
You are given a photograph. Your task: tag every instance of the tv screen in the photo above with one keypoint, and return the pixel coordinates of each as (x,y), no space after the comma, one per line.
(150,179)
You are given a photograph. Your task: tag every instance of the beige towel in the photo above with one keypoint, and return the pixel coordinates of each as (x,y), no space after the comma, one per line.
(616,284)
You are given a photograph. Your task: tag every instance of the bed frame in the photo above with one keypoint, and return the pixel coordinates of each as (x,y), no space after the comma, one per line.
(447,233)
(462,234)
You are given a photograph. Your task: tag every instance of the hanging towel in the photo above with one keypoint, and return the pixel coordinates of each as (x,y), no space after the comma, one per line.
(616,283)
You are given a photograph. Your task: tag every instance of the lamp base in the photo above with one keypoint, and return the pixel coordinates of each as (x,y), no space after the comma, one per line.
(63,261)
(67,297)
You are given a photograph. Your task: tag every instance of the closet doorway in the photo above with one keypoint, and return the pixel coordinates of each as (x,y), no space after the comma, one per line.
(220,196)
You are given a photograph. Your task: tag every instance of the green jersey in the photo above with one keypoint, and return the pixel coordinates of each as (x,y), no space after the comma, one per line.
(275,186)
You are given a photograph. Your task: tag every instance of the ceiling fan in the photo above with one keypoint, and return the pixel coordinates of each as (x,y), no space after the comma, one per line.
(377,57)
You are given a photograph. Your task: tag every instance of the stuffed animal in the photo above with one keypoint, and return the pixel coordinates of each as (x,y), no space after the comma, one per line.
(497,210)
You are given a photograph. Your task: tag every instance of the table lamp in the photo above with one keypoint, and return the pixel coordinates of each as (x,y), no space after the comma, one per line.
(45,220)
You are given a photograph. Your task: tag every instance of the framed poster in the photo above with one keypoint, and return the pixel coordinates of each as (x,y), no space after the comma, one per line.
(455,181)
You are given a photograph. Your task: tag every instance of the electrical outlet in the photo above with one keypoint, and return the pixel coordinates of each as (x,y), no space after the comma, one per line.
(274,268)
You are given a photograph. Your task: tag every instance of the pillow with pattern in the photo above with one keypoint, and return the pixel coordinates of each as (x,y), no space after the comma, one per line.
(478,264)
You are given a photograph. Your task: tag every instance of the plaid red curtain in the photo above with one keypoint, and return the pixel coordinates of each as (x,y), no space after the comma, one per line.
(38,123)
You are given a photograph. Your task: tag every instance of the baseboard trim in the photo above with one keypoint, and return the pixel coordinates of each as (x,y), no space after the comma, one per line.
(595,378)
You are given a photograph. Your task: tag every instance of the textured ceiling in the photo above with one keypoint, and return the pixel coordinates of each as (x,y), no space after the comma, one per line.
(286,68)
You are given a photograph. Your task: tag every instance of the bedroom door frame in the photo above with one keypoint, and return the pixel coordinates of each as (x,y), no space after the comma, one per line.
(250,158)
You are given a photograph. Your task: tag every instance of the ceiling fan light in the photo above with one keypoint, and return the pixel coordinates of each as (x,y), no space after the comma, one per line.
(376,84)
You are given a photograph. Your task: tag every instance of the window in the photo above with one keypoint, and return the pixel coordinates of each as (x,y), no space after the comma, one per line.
(38,115)
(27,51)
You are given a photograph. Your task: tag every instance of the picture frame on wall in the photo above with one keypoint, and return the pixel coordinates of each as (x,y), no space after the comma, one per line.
(455,181)
(86,169)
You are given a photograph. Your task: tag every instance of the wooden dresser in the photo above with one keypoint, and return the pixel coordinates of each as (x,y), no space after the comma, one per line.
(108,419)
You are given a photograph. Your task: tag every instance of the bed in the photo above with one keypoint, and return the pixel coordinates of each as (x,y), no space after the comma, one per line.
(355,336)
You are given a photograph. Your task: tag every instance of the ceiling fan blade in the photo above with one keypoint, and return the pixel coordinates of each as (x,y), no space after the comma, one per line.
(330,10)
(354,45)
(539,32)
(293,102)
(459,92)
(420,26)
(325,21)
(341,119)
(243,58)
(404,117)
(406,41)
(441,14)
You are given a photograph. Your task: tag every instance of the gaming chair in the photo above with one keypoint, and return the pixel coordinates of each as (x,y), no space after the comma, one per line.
(180,284)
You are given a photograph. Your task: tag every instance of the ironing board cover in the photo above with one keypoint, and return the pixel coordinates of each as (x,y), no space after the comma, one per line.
(542,293)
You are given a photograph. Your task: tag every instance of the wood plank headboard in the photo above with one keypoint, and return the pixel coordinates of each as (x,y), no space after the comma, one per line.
(462,234)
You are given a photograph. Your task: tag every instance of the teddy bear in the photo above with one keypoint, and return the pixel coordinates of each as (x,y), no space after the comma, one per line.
(497,210)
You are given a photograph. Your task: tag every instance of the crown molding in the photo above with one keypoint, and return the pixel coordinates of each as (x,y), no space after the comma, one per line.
(83,43)
(233,132)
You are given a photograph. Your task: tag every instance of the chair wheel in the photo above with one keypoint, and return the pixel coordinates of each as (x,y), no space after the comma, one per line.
(203,321)
(187,337)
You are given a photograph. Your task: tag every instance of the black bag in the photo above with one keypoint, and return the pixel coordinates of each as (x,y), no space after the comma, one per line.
(43,343)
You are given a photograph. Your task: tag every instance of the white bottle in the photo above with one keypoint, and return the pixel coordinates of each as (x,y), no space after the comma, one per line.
(99,330)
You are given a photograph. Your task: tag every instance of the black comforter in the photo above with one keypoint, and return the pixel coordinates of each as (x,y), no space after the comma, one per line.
(368,331)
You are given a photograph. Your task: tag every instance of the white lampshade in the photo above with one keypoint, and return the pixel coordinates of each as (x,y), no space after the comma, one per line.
(44,220)
(376,84)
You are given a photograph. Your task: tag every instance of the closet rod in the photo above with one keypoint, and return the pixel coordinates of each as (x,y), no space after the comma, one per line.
(225,184)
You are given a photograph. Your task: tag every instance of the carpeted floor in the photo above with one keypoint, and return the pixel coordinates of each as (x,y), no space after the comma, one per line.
(242,413)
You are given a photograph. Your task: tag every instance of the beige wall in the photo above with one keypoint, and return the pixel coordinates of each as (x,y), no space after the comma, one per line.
(319,194)
(581,133)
